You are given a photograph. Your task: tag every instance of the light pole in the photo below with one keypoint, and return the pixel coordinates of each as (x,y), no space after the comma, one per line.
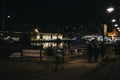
(115,20)
(110,10)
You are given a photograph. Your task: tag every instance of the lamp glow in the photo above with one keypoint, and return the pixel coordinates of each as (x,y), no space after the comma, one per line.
(116,25)
(113,20)
(110,9)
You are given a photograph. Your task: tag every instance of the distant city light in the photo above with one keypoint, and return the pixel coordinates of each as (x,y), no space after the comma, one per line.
(8,16)
(36,30)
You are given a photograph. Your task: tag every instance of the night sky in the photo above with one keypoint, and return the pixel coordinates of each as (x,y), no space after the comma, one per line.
(57,12)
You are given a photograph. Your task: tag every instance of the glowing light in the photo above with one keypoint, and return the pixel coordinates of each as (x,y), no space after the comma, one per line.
(36,30)
(60,37)
(116,25)
(113,20)
(110,9)
(118,28)
(54,37)
(8,16)
(38,37)
(46,37)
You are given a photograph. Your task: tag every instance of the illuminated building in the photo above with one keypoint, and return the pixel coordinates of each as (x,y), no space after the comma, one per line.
(36,39)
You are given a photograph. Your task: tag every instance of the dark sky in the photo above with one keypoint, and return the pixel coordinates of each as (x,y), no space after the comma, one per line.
(55,11)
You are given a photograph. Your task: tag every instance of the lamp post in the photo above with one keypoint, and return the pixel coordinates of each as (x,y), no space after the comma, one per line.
(110,10)
(115,20)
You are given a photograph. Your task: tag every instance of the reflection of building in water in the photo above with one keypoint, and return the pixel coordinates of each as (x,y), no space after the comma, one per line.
(37,39)
(47,38)
(48,44)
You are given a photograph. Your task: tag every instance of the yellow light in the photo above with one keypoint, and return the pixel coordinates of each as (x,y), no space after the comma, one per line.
(36,30)
(38,37)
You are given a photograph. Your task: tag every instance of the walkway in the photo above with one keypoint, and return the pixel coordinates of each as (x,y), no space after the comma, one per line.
(73,70)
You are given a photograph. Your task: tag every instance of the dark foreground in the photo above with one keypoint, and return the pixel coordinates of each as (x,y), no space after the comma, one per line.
(77,69)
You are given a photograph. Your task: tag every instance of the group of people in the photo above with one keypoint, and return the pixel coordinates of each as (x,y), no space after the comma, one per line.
(93,50)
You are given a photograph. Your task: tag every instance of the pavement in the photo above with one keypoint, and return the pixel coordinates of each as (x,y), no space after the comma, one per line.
(28,70)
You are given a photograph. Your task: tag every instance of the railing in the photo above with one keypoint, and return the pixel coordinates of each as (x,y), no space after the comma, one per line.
(44,53)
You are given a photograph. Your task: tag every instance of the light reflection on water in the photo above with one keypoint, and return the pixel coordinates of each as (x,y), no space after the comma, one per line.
(33,52)
(48,44)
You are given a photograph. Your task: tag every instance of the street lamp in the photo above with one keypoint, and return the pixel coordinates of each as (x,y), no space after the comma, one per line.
(119,30)
(116,25)
(113,20)
(110,9)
